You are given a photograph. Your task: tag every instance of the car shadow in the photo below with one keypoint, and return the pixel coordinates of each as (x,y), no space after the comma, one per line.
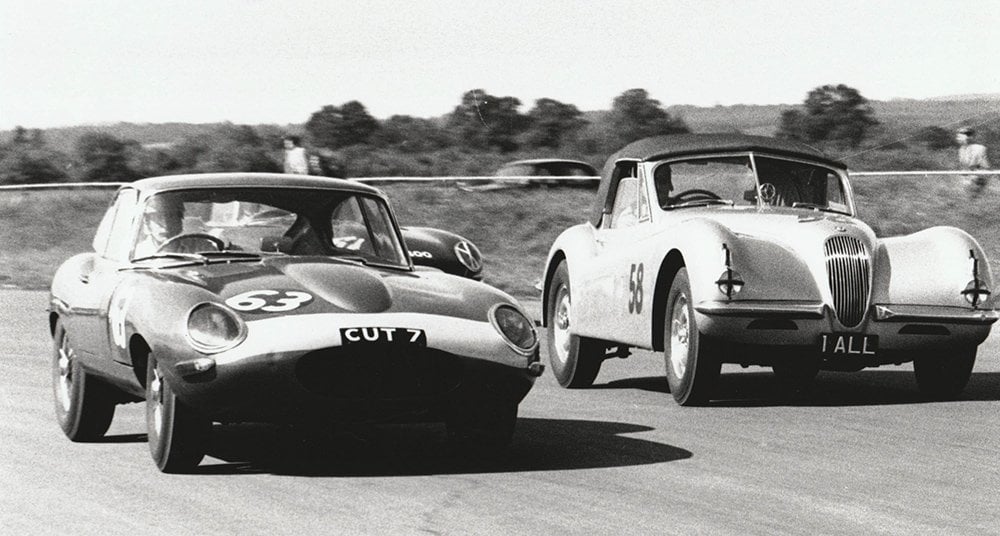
(123,438)
(421,449)
(864,388)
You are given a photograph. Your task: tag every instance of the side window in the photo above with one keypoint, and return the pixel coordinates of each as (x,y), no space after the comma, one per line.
(625,212)
(623,170)
(112,237)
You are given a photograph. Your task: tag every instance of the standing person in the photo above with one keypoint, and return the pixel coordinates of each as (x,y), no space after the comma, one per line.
(295,156)
(972,157)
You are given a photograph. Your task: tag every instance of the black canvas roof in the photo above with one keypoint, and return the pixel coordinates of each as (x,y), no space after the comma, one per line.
(675,145)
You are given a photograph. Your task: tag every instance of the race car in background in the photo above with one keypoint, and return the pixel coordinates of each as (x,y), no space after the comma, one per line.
(740,249)
(276,298)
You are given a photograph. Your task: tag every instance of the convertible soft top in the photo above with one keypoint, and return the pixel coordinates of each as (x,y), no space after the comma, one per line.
(660,147)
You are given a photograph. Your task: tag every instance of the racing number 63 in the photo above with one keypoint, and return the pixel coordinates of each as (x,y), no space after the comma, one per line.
(635,289)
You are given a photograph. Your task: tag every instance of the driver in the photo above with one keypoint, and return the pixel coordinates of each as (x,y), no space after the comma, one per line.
(162,219)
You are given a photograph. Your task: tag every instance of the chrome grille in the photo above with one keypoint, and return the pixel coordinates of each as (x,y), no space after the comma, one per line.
(848,267)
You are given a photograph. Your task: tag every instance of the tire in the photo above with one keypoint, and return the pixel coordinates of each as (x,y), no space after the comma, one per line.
(575,360)
(178,436)
(84,405)
(944,377)
(691,358)
(482,428)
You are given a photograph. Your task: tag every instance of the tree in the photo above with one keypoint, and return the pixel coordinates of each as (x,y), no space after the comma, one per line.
(236,148)
(936,138)
(552,122)
(335,127)
(24,164)
(411,135)
(103,158)
(634,115)
(831,113)
(483,121)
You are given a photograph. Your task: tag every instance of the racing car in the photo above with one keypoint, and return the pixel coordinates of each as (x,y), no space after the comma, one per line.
(722,248)
(278,299)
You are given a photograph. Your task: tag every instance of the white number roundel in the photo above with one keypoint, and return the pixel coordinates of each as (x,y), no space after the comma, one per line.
(269,301)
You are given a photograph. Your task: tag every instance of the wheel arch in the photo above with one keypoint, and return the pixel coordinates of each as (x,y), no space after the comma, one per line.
(139,351)
(556,258)
(671,264)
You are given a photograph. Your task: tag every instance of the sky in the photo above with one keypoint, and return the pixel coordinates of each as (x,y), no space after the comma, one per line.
(66,63)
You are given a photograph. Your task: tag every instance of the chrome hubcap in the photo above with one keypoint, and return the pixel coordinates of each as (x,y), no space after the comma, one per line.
(680,336)
(560,326)
(156,401)
(64,384)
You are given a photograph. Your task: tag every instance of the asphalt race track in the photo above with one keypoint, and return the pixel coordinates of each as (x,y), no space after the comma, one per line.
(861,454)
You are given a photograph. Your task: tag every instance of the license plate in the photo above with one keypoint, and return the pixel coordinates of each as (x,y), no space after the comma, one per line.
(380,335)
(856,344)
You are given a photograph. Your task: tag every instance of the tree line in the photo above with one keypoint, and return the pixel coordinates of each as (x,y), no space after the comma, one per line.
(482,132)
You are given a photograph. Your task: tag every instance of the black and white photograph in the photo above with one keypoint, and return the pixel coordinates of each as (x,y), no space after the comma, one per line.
(636,267)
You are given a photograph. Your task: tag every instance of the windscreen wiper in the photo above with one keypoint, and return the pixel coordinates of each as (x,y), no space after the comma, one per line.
(821,208)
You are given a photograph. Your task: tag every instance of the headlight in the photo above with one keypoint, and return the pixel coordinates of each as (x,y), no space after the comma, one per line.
(515,328)
(976,292)
(730,283)
(212,328)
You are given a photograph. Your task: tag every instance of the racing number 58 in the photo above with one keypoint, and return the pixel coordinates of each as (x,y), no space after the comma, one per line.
(635,289)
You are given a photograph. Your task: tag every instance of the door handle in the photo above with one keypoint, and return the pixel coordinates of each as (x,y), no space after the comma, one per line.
(85,279)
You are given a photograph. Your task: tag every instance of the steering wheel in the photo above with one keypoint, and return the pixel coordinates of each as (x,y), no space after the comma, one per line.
(695,193)
(217,242)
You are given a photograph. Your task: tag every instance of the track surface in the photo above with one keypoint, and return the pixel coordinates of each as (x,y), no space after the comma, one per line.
(861,454)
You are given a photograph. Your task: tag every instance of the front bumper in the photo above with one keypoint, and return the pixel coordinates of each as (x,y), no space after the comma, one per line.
(295,369)
(900,328)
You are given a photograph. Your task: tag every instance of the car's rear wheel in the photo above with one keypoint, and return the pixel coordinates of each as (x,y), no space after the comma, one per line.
(944,377)
(84,405)
(575,360)
(178,436)
(691,358)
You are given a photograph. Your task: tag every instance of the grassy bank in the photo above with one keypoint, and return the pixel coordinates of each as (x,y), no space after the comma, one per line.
(513,228)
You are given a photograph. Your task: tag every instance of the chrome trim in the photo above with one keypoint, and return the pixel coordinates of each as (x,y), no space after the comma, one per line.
(762,309)
(848,267)
(935,314)
(527,352)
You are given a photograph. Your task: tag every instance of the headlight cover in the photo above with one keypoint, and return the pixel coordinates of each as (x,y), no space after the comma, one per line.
(517,330)
(212,328)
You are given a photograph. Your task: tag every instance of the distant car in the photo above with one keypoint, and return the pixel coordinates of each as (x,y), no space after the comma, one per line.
(740,249)
(544,170)
(276,298)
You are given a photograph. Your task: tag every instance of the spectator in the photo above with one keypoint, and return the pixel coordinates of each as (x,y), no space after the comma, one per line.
(972,157)
(295,156)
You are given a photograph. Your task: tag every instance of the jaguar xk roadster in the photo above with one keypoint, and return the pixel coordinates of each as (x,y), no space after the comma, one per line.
(276,298)
(739,249)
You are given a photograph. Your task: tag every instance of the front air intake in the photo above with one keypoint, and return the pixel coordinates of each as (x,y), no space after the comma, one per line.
(848,266)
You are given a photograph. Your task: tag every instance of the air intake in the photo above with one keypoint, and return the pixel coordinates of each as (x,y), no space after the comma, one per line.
(848,266)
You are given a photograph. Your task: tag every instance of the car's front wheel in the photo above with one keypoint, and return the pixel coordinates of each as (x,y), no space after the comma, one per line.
(691,358)
(84,405)
(575,360)
(178,436)
(943,377)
